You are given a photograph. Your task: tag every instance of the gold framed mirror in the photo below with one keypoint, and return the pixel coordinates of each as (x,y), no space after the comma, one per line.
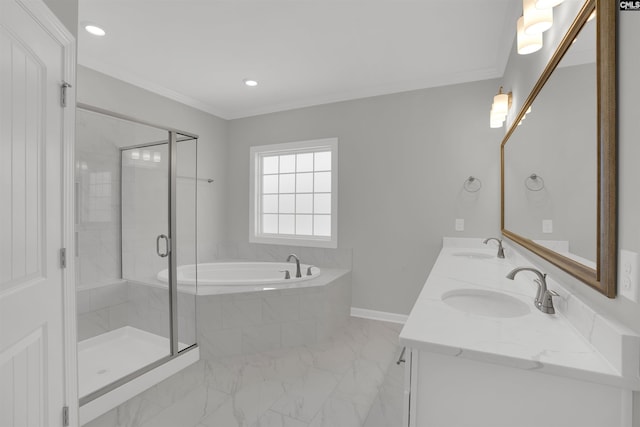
(596,262)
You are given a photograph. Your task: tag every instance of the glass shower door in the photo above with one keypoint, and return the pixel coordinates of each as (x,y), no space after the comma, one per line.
(146,244)
(122,185)
(136,194)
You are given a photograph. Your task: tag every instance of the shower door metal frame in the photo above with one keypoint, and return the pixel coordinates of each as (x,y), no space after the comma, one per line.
(172,142)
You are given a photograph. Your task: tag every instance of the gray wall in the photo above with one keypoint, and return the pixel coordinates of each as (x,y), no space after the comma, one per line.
(102,91)
(403,159)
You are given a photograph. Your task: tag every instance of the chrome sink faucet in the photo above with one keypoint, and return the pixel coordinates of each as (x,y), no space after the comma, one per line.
(544,296)
(500,248)
(294,256)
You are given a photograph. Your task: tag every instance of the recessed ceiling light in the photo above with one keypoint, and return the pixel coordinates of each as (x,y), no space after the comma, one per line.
(250,82)
(94,29)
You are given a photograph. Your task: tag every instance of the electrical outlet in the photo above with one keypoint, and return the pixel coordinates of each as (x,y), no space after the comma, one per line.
(547,226)
(459,224)
(628,275)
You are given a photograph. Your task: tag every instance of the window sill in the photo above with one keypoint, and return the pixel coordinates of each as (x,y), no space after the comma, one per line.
(294,241)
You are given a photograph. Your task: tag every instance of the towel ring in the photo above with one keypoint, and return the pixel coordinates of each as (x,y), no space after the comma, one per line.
(472,184)
(534,182)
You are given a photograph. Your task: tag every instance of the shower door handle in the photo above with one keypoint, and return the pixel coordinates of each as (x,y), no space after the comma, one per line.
(166,246)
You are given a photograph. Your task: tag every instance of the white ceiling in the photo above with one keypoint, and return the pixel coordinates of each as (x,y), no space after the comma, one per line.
(302,52)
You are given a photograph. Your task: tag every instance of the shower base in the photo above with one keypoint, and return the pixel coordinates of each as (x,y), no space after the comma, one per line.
(108,357)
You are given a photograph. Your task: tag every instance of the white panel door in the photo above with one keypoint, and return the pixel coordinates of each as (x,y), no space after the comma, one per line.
(32,365)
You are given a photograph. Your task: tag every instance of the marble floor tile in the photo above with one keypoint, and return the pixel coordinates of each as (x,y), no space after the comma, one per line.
(349,380)
(306,395)
(337,412)
(189,410)
(274,419)
(386,410)
(246,406)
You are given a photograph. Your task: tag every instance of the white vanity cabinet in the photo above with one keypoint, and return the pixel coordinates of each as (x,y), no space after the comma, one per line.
(449,391)
(477,364)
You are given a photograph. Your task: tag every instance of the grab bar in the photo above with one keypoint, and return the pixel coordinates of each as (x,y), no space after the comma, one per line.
(166,246)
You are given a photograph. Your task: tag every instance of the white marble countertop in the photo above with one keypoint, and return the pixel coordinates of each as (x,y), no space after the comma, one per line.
(534,341)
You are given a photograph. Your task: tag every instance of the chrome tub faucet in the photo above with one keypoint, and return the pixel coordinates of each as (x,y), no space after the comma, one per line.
(294,256)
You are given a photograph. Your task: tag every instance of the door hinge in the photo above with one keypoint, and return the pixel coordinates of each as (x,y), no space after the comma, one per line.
(63,93)
(65,416)
(63,258)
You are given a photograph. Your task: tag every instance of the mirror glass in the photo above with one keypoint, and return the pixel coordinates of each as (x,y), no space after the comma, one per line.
(550,162)
(559,161)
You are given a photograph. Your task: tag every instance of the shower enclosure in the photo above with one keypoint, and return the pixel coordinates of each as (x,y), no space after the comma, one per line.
(136,199)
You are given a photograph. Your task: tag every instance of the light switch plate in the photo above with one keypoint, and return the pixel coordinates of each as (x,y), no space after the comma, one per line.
(459,224)
(628,275)
(547,226)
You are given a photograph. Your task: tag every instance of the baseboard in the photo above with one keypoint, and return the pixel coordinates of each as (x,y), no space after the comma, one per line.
(378,315)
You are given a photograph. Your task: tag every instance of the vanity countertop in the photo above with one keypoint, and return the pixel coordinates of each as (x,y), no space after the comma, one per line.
(547,343)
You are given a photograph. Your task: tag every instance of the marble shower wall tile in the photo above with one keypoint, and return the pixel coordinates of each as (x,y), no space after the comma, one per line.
(101,309)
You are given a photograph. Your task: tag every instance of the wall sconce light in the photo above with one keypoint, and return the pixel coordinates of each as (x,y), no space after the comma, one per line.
(537,17)
(536,20)
(527,43)
(499,108)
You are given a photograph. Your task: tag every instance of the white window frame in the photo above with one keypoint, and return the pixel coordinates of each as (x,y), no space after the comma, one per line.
(256,153)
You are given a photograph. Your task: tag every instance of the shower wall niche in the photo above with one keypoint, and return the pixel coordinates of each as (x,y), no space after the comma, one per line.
(136,187)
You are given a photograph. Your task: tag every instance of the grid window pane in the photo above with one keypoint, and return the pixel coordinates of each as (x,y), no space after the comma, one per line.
(304,225)
(322,203)
(286,224)
(270,164)
(322,182)
(288,163)
(295,193)
(270,224)
(304,203)
(322,161)
(322,225)
(288,183)
(304,162)
(304,183)
(270,203)
(287,203)
(269,184)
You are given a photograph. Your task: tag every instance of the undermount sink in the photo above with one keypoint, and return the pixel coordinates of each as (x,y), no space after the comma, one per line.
(485,303)
(474,255)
